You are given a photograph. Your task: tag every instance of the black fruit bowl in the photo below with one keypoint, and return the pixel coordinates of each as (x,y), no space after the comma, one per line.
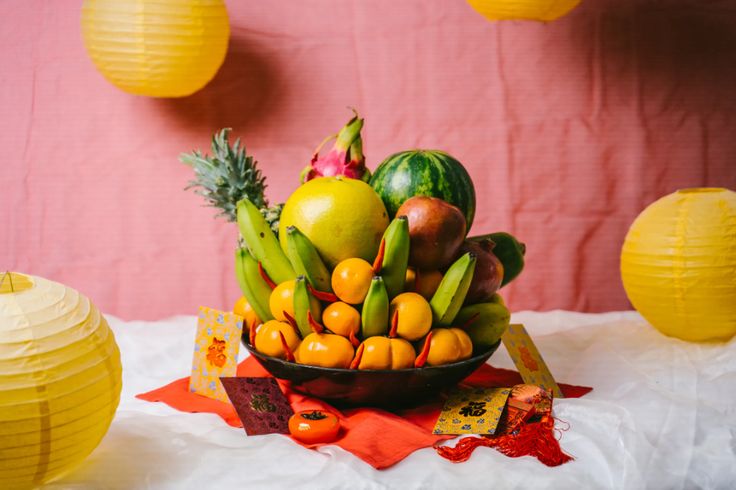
(377,388)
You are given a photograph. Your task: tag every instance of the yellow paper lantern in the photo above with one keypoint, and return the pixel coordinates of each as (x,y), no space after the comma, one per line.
(60,379)
(678,264)
(160,48)
(541,10)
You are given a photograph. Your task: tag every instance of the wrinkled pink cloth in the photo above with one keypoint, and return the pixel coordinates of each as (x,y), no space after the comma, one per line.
(568,129)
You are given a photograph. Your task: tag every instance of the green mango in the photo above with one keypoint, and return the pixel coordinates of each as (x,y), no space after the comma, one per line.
(484,322)
(509,251)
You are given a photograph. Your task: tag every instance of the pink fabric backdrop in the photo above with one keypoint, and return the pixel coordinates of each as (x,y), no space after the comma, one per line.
(568,130)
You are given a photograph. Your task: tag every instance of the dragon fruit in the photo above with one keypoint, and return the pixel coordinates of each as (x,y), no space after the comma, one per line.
(345,158)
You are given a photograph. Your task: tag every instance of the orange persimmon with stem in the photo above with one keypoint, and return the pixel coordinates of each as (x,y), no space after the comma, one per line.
(314,426)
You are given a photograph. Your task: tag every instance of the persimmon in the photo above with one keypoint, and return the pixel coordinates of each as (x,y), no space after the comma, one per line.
(314,426)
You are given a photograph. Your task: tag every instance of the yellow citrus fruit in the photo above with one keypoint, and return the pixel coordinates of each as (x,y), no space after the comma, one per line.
(341,318)
(415,315)
(268,341)
(282,299)
(244,309)
(351,280)
(342,217)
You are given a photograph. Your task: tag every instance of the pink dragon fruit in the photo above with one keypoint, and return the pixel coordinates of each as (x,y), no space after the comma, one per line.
(345,158)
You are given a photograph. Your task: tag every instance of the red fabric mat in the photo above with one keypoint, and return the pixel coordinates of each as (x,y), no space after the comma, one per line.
(378,437)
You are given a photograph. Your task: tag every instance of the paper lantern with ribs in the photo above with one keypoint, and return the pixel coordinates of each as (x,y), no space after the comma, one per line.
(678,264)
(60,379)
(160,48)
(539,10)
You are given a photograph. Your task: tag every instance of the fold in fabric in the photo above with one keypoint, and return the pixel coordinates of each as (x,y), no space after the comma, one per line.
(378,437)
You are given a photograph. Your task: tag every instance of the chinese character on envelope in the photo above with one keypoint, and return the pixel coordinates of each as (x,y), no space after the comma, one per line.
(528,360)
(216,349)
(472,411)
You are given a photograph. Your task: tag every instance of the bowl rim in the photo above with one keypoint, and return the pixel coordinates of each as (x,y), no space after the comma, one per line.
(488,352)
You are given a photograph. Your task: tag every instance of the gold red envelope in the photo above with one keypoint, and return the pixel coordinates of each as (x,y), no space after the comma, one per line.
(472,411)
(216,349)
(528,360)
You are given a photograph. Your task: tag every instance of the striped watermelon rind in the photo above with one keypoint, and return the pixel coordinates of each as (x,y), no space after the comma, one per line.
(431,173)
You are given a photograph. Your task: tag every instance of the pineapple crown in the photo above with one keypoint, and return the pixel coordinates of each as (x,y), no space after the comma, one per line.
(227,176)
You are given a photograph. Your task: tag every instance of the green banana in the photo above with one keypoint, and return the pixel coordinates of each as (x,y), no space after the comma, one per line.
(262,243)
(451,292)
(509,251)
(254,288)
(304,303)
(484,322)
(374,318)
(396,258)
(306,260)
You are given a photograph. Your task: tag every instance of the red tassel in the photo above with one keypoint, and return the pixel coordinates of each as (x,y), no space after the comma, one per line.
(533,439)
(463,449)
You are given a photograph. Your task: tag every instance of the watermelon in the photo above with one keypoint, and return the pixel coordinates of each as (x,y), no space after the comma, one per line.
(424,173)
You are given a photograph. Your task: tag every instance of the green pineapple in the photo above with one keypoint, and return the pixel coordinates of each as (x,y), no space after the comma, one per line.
(228,176)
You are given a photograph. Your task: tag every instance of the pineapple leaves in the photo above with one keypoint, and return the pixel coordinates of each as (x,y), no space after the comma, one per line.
(226,176)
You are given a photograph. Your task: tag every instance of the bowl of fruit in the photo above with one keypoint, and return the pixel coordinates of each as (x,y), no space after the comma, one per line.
(387,388)
(360,289)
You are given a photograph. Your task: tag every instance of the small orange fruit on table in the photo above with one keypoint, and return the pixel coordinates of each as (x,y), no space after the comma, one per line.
(314,426)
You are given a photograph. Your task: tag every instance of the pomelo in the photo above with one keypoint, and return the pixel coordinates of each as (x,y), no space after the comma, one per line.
(342,217)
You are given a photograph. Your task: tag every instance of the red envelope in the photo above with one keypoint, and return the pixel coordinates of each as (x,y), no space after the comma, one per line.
(260,403)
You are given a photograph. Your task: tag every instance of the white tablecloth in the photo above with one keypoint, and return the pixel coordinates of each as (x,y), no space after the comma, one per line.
(662,415)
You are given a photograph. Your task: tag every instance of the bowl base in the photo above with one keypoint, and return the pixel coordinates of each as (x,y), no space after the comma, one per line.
(401,388)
